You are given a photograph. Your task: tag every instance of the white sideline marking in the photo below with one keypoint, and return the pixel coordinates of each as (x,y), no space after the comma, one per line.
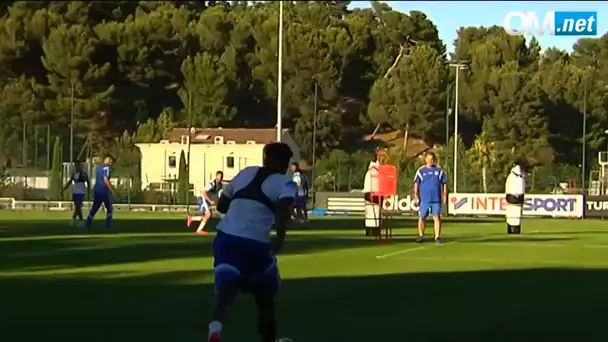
(523,244)
(403,251)
(427,245)
(595,246)
(496,261)
(506,243)
(548,245)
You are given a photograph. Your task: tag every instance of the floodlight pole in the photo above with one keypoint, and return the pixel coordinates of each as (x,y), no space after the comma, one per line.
(459,66)
(280,76)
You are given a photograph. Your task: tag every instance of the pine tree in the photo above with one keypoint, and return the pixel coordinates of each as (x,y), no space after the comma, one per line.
(56,187)
(183,191)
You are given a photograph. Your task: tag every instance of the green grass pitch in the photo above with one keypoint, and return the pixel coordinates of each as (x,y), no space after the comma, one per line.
(152,282)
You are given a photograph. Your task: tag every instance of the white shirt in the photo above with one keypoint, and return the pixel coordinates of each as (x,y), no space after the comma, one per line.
(516,182)
(370,183)
(297,178)
(248,218)
(212,195)
(78,188)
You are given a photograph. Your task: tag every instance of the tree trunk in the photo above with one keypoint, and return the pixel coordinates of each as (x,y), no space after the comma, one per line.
(406,138)
(484,179)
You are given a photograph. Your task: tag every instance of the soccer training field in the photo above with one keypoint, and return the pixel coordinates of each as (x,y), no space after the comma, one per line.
(152,282)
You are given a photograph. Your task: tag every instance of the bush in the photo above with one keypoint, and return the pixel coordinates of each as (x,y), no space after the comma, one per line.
(17,191)
(156,197)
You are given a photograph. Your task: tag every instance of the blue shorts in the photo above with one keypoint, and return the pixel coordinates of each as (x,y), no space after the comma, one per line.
(301,201)
(203,205)
(433,208)
(250,263)
(104,198)
(78,199)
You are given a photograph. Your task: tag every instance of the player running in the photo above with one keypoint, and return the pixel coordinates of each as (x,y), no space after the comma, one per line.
(300,205)
(255,201)
(102,192)
(80,185)
(431,191)
(208,197)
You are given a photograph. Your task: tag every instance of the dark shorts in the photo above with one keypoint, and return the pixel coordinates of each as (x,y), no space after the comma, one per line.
(104,198)
(432,208)
(301,201)
(78,199)
(250,263)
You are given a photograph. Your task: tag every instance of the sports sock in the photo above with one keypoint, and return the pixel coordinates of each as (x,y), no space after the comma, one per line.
(267,330)
(201,226)
(196,218)
(215,327)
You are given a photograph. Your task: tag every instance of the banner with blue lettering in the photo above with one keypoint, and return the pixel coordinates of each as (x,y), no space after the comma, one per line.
(534,205)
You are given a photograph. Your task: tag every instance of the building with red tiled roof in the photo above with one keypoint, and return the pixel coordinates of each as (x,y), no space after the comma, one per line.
(211,149)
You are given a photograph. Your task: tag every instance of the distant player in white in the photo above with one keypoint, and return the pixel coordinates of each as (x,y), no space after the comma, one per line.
(209,197)
(300,205)
(515,190)
(257,200)
(80,184)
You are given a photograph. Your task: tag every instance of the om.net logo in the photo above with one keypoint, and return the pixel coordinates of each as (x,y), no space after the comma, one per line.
(553,23)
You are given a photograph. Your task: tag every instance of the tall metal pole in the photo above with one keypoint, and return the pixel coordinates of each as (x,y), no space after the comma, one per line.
(72,126)
(48,146)
(187,199)
(447,124)
(24,145)
(455,171)
(314,138)
(280,76)
(36,146)
(584,140)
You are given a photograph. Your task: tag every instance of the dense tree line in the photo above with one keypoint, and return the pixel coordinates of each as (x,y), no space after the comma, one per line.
(116,66)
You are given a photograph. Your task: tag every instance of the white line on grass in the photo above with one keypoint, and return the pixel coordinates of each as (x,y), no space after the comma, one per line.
(504,261)
(408,250)
(596,246)
(541,244)
(403,251)
(523,244)
(505,243)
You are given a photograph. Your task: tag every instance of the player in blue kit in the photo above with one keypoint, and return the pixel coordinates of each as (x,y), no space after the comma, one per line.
(102,192)
(80,184)
(208,198)
(431,191)
(255,201)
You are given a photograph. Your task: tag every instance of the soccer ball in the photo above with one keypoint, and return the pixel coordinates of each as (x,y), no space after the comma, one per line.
(283,339)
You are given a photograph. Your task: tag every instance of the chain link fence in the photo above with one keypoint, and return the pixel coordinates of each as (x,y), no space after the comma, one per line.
(543,180)
(338,172)
(348,175)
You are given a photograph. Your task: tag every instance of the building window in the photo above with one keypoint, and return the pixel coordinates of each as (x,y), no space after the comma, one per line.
(230,162)
(172,161)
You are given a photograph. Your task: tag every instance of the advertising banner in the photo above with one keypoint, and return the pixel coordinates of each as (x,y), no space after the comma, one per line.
(534,205)
(404,204)
(354,203)
(596,206)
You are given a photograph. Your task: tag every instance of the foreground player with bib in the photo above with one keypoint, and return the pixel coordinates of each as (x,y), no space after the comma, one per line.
(255,201)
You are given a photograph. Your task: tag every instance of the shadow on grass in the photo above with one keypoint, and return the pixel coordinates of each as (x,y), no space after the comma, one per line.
(24,228)
(517,305)
(177,225)
(69,251)
(355,223)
